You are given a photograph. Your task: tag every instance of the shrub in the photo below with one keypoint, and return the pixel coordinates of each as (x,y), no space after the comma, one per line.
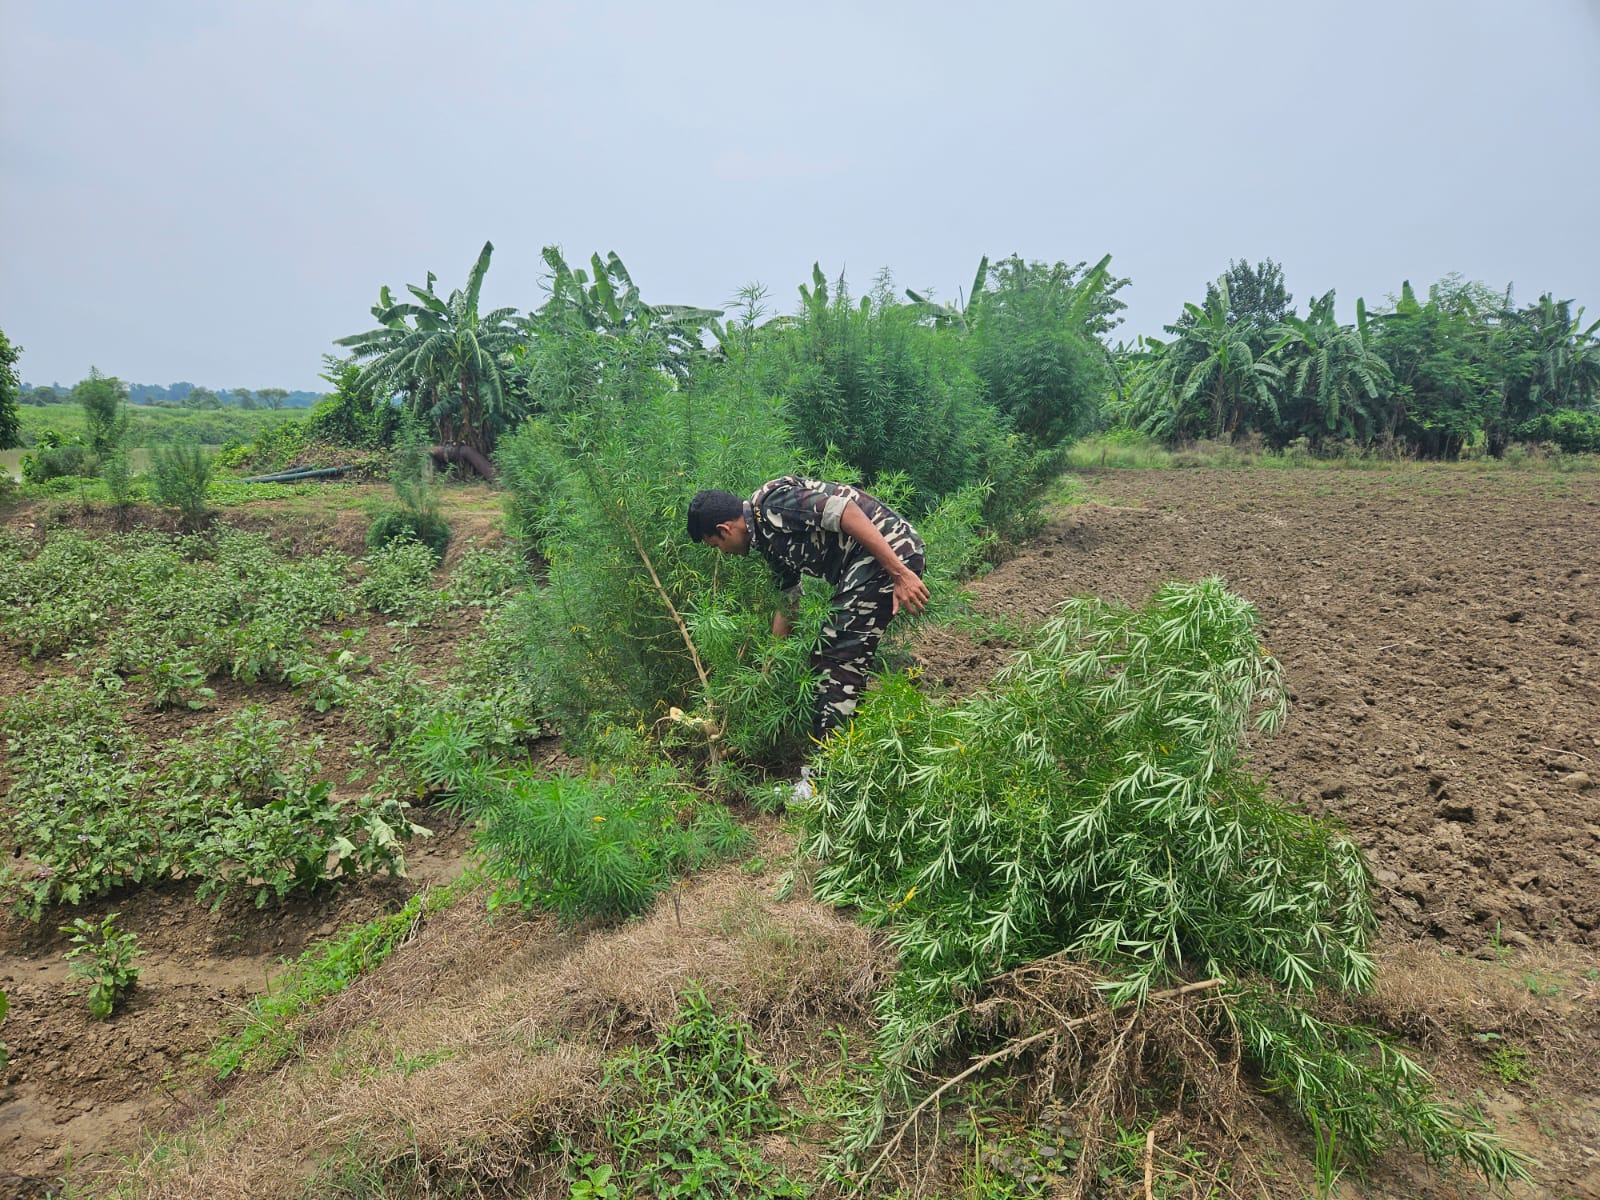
(118,478)
(603,485)
(180,479)
(55,458)
(873,384)
(428,529)
(1575,431)
(588,847)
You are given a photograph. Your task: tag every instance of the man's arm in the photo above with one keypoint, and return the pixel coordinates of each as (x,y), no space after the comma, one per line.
(908,589)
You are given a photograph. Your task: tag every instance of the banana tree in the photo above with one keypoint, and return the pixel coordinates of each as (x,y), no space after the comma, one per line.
(1207,375)
(1333,375)
(448,359)
(608,302)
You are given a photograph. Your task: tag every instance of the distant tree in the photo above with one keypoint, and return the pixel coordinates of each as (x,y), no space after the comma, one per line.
(272,398)
(42,396)
(1034,342)
(353,414)
(202,398)
(244,398)
(1547,360)
(1255,297)
(103,398)
(609,303)
(448,359)
(1438,353)
(10,390)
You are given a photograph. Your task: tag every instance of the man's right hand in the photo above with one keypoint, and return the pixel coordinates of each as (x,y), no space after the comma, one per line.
(780,625)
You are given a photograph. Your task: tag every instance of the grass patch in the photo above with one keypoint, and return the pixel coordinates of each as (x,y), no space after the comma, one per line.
(324,970)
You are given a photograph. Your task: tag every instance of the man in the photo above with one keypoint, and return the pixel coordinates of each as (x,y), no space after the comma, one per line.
(869,552)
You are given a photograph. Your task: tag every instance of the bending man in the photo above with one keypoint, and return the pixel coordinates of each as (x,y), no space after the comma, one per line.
(869,552)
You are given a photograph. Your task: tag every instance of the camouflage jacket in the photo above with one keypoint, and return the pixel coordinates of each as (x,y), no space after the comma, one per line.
(794,525)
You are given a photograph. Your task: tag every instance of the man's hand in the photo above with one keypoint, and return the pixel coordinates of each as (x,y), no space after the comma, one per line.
(910,592)
(781,627)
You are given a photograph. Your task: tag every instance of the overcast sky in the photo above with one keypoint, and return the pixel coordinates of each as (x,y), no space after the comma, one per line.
(214,190)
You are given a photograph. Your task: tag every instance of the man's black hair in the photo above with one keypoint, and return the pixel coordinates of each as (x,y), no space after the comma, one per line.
(711,508)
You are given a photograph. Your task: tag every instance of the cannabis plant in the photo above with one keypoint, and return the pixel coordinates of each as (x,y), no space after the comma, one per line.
(181,479)
(1096,802)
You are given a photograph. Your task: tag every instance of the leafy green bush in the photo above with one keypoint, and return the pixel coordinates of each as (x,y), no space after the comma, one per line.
(399,581)
(180,478)
(398,524)
(485,578)
(73,804)
(55,458)
(874,384)
(602,485)
(1096,802)
(1575,431)
(103,955)
(231,804)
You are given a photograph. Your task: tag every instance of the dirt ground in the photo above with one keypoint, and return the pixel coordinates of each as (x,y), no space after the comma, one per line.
(1440,631)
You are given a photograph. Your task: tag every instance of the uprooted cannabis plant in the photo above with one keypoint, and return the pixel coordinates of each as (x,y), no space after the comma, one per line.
(1096,803)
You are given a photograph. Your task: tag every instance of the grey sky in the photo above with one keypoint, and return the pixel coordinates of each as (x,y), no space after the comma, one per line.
(213,190)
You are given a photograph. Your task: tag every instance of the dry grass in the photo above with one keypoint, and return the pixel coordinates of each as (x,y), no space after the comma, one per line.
(474,1054)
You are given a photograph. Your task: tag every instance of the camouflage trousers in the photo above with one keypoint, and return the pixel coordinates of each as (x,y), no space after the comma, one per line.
(862,607)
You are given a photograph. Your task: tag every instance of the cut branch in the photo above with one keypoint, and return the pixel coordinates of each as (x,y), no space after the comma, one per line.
(1010,1050)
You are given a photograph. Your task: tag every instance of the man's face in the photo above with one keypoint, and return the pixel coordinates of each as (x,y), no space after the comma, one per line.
(731,537)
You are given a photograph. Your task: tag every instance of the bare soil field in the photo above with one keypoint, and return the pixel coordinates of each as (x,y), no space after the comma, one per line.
(1440,631)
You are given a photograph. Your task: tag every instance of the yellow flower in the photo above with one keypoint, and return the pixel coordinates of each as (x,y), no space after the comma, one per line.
(597,820)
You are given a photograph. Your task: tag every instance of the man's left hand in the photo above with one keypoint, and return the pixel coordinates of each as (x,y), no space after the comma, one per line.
(911,593)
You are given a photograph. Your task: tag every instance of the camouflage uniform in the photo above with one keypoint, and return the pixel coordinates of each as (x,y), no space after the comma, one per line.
(794,525)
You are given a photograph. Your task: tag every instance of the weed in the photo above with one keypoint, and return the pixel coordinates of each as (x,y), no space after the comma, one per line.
(399,581)
(595,1183)
(585,847)
(685,1112)
(1095,804)
(1539,986)
(103,956)
(1506,1062)
(181,478)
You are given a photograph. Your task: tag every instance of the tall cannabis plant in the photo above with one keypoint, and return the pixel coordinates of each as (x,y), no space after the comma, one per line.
(600,482)
(1096,801)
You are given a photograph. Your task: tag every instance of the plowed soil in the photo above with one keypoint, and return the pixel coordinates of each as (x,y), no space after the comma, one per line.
(1440,631)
